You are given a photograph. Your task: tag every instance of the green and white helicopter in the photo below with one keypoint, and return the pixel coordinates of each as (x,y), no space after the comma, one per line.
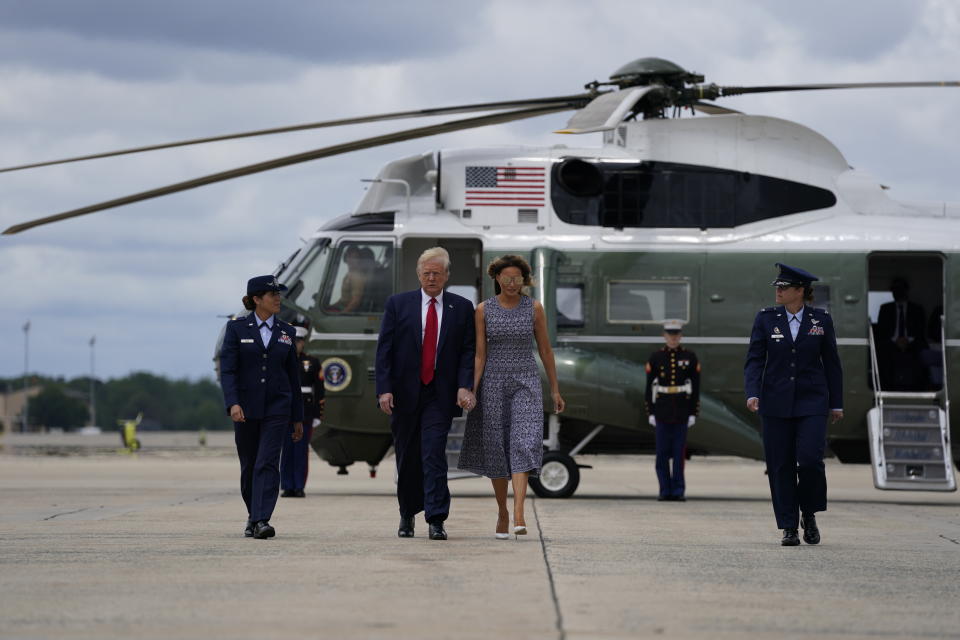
(670,218)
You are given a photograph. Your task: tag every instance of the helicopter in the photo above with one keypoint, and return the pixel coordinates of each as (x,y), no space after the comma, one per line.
(672,217)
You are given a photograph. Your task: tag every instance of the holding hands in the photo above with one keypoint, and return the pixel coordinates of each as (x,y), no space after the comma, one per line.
(466,399)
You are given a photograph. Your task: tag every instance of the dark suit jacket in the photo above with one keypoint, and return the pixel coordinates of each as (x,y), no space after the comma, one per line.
(264,381)
(887,324)
(398,351)
(791,379)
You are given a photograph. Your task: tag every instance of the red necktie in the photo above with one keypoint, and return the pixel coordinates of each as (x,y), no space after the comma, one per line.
(429,351)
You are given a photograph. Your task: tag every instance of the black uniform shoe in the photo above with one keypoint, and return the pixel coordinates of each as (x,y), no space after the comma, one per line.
(663,498)
(679,498)
(288,493)
(298,493)
(262,530)
(811,533)
(790,538)
(437,532)
(248,530)
(405,530)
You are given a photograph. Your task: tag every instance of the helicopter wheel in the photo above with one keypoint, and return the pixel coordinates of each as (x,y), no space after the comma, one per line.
(559,476)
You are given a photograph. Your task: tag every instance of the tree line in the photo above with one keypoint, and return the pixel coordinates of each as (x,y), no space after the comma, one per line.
(165,404)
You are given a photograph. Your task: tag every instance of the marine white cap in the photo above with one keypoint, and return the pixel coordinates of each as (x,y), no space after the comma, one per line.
(672,325)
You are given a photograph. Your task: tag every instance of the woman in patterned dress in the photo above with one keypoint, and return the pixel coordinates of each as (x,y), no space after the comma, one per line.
(503,439)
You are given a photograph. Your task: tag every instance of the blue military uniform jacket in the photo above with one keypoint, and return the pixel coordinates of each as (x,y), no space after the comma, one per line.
(263,379)
(793,378)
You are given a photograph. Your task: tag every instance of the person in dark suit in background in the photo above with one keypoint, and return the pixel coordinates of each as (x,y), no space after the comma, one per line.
(295,455)
(261,392)
(424,375)
(901,336)
(793,377)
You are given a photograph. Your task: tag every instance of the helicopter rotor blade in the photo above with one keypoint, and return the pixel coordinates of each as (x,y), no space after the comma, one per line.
(713,109)
(324,152)
(579,99)
(736,91)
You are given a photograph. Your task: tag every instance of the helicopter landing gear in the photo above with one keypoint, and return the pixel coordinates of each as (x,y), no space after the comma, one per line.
(373,471)
(560,474)
(342,471)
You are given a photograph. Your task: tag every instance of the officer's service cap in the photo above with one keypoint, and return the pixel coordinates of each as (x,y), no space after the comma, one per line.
(793,277)
(301,333)
(264,283)
(672,326)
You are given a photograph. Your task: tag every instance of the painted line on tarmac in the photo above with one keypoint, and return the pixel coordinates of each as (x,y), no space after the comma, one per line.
(553,587)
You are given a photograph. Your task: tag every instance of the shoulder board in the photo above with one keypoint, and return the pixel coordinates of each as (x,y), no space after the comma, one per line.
(822,312)
(767,309)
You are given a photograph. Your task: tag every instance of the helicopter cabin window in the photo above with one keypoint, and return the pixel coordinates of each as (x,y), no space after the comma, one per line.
(570,306)
(821,297)
(669,194)
(360,278)
(647,302)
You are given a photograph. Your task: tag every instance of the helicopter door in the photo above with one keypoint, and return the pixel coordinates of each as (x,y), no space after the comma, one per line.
(465,269)
(909,425)
(465,280)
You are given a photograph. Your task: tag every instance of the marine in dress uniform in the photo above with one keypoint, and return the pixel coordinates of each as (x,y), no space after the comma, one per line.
(793,377)
(295,455)
(261,391)
(672,403)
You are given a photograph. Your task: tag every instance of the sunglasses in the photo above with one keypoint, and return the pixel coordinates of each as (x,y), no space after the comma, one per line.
(511,280)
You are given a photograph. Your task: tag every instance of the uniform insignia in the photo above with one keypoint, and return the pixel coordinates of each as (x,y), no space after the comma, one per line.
(284,339)
(815,331)
(776,329)
(450,305)
(245,340)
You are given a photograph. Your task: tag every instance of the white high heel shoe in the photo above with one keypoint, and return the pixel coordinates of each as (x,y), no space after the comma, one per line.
(505,535)
(520,530)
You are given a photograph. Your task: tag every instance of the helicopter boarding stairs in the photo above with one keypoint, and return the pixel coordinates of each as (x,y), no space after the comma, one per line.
(909,433)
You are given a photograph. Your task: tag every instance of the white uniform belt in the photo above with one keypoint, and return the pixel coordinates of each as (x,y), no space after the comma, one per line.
(683,388)
(306,389)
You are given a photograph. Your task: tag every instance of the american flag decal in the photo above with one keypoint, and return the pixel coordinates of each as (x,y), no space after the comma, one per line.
(505,186)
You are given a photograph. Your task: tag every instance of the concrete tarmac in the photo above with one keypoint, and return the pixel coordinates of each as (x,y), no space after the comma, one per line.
(151,546)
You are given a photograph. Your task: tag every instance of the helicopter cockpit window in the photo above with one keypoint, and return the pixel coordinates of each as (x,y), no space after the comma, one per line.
(570,306)
(360,278)
(305,291)
(647,302)
(669,194)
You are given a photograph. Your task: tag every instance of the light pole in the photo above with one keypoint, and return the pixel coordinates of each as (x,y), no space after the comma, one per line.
(26,367)
(93,392)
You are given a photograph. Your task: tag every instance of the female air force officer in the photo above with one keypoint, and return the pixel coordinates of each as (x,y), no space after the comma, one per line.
(792,376)
(261,390)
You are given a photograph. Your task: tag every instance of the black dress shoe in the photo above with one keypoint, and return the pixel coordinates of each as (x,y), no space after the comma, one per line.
(437,532)
(298,493)
(811,533)
(790,538)
(262,530)
(405,530)
(288,493)
(680,498)
(248,530)
(663,498)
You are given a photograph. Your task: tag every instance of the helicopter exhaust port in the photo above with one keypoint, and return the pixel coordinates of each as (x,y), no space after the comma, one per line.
(579,178)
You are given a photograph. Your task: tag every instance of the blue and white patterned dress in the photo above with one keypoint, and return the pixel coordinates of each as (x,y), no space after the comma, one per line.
(504,433)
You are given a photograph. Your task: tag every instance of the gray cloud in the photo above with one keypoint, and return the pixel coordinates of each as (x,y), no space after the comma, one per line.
(183,37)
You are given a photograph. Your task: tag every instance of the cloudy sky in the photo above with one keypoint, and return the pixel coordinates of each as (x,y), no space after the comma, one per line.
(150,279)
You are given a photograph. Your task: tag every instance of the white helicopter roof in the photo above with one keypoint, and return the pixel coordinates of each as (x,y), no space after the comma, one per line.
(864,217)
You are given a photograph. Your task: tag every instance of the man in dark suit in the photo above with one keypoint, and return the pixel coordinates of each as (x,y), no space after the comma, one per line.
(793,377)
(424,378)
(901,336)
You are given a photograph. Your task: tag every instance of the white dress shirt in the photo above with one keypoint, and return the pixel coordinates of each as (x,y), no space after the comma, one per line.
(424,305)
(266,332)
(794,324)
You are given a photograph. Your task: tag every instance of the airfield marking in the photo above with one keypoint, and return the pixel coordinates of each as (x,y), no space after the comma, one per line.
(553,586)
